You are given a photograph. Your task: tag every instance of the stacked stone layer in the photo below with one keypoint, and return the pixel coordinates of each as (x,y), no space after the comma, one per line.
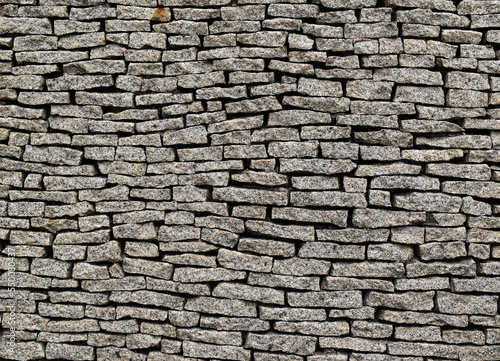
(250,180)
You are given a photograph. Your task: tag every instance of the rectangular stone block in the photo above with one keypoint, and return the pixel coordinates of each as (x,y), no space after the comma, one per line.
(335,299)
(292,344)
(255,196)
(466,304)
(227,307)
(196,349)
(416,301)
(377,218)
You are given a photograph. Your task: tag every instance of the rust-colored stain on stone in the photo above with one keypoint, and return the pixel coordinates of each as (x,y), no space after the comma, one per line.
(161,14)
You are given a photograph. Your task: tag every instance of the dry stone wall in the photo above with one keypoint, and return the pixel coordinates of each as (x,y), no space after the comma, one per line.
(250,180)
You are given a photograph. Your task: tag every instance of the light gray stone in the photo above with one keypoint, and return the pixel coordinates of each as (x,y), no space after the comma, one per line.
(377,218)
(302,345)
(428,202)
(466,304)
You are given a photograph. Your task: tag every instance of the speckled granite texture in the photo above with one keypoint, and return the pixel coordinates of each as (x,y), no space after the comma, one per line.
(250,180)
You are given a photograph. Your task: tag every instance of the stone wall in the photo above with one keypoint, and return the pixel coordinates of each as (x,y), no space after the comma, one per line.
(250,180)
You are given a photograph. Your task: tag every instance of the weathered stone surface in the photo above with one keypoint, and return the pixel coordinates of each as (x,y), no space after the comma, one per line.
(325,132)
(369,90)
(235,308)
(277,231)
(320,104)
(479,284)
(379,30)
(303,215)
(475,172)
(328,198)
(339,299)
(423,318)
(367,269)
(316,166)
(67,351)
(300,267)
(430,126)
(256,196)
(421,349)
(53,155)
(409,76)
(315,182)
(390,169)
(242,261)
(466,98)
(477,7)
(249,293)
(314,328)
(478,189)
(428,202)
(353,235)
(292,314)
(389,252)
(283,281)
(150,268)
(437,250)
(206,275)
(267,247)
(193,135)
(345,283)
(422,301)
(425,95)
(419,269)
(254,105)
(381,107)
(194,349)
(406,182)
(30,350)
(321,88)
(385,137)
(367,120)
(88,271)
(148,298)
(353,343)
(302,345)
(466,304)
(262,178)
(236,324)
(374,218)
(422,333)
(353,4)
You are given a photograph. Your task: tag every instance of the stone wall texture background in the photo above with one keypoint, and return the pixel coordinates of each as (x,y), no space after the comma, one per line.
(250,180)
